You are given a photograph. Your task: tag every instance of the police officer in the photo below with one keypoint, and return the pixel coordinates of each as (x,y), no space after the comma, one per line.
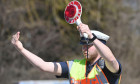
(99,65)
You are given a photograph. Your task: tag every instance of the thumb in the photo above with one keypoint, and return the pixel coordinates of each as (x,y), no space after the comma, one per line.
(77,27)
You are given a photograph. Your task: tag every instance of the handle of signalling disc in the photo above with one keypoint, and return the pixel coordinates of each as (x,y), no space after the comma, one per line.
(78,22)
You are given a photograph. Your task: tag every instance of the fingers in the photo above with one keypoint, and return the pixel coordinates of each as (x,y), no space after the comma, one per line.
(16,36)
(83,28)
(79,27)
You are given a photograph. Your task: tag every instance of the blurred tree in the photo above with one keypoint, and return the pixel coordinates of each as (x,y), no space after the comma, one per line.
(45,32)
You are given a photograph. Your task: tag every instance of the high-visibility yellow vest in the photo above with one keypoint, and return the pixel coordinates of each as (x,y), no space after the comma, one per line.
(77,73)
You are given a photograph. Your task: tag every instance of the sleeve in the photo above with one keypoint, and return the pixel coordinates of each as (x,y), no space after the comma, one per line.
(113,78)
(64,70)
(117,73)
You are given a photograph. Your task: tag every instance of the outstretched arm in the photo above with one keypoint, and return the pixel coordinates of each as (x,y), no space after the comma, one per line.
(34,59)
(110,60)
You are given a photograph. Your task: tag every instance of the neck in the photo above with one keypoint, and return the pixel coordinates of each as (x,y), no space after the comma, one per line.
(94,59)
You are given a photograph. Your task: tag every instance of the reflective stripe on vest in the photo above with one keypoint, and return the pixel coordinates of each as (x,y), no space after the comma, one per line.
(77,73)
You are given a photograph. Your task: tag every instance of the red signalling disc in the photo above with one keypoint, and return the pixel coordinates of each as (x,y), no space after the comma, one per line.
(73,12)
(70,11)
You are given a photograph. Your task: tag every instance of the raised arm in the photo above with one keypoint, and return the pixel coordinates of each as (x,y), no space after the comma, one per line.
(106,53)
(110,60)
(36,61)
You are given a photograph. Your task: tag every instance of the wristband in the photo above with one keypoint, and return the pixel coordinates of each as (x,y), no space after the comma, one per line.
(94,37)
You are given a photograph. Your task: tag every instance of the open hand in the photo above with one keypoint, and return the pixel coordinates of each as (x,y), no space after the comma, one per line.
(15,41)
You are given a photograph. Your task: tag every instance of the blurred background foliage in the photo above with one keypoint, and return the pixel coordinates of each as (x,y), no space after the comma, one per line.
(45,32)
